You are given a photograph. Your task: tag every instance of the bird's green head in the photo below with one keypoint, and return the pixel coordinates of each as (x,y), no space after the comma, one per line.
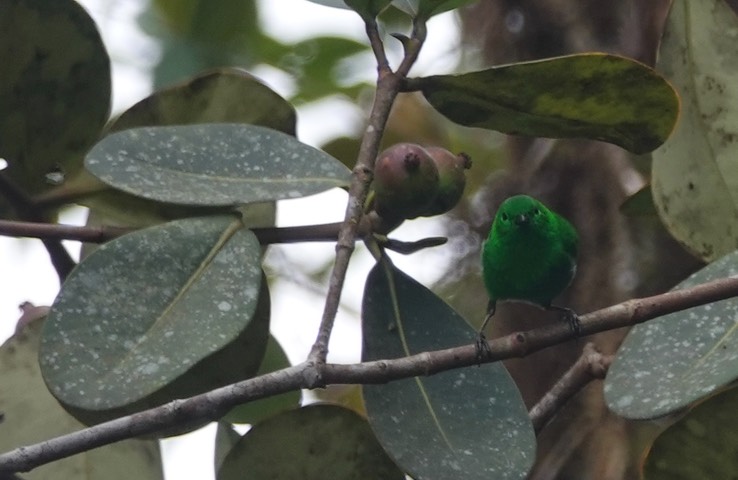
(520,213)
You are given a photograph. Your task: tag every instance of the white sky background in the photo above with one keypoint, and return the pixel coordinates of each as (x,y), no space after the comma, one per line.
(26,273)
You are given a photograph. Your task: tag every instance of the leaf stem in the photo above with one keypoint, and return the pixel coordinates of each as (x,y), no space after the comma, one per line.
(208,406)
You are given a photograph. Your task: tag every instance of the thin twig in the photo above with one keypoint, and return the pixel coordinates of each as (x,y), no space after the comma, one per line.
(327,232)
(210,405)
(22,204)
(388,86)
(591,365)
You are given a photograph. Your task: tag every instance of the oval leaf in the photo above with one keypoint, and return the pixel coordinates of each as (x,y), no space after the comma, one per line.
(467,423)
(210,98)
(226,437)
(213,164)
(593,95)
(157,314)
(427,8)
(325,441)
(368,9)
(667,363)
(695,174)
(30,415)
(55,89)
(703,445)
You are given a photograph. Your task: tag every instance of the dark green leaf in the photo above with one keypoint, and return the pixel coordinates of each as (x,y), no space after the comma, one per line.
(702,445)
(332,3)
(368,9)
(226,438)
(427,8)
(223,95)
(30,415)
(161,313)
(254,412)
(317,442)
(196,35)
(213,164)
(468,423)
(592,95)
(317,65)
(203,99)
(667,363)
(639,204)
(54,91)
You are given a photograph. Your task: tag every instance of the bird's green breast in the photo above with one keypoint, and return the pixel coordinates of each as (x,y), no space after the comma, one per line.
(531,262)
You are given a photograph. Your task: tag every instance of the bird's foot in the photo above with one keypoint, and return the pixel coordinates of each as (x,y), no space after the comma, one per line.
(571,318)
(483,351)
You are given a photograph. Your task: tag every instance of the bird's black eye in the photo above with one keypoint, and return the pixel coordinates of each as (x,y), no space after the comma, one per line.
(504,217)
(536,211)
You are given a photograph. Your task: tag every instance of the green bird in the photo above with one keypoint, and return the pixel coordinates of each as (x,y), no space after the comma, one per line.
(529,256)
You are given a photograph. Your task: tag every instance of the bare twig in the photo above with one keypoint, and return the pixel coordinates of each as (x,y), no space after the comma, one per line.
(210,405)
(55,231)
(327,232)
(24,207)
(388,86)
(591,365)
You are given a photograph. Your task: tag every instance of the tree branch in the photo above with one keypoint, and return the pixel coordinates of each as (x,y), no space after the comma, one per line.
(327,232)
(388,86)
(591,365)
(210,405)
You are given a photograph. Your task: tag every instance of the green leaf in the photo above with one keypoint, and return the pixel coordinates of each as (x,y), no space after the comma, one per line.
(368,9)
(220,96)
(701,445)
(203,99)
(332,3)
(325,441)
(428,8)
(317,65)
(226,437)
(640,204)
(213,164)
(592,95)
(195,36)
(54,90)
(254,412)
(158,314)
(665,364)
(695,174)
(32,415)
(467,423)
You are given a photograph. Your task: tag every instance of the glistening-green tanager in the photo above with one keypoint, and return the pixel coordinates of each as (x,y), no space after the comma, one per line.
(529,256)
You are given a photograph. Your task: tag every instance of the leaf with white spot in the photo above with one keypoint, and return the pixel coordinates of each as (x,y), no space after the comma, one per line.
(667,363)
(316,442)
(468,423)
(215,164)
(702,445)
(158,314)
(30,415)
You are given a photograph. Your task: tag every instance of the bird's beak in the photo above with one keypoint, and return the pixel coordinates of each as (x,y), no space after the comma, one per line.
(522,219)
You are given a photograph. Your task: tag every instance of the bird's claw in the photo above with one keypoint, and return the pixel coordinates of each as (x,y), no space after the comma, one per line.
(573,319)
(483,351)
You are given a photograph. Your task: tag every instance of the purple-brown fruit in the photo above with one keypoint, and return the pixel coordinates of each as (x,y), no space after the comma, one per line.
(405,181)
(451,179)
